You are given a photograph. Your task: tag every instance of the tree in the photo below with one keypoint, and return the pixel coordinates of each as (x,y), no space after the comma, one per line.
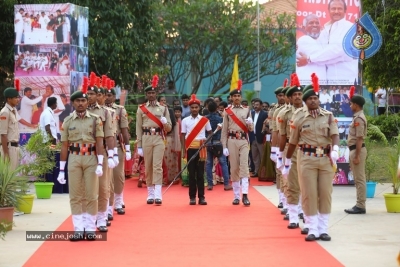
(122,37)
(203,36)
(383,68)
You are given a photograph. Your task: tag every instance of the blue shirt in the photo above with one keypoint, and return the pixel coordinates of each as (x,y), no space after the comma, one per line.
(214,119)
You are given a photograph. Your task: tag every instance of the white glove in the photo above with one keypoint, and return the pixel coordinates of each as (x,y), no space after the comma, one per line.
(249,120)
(219,125)
(334,154)
(163,120)
(273,155)
(61,177)
(226,152)
(115,157)
(99,170)
(140,151)
(286,168)
(279,161)
(128,154)
(110,160)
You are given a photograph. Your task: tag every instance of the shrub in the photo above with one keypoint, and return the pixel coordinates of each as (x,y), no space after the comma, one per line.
(389,125)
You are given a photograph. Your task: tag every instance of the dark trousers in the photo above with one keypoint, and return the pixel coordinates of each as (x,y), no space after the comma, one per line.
(196,174)
(381,110)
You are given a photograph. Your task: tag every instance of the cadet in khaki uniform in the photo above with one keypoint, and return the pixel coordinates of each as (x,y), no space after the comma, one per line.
(279,155)
(82,135)
(293,189)
(9,126)
(316,132)
(124,152)
(236,145)
(358,152)
(275,139)
(108,163)
(150,140)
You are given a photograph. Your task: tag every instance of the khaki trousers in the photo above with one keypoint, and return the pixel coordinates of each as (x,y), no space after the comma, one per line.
(257,151)
(316,176)
(283,183)
(83,184)
(293,187)
(117,181)
(153,153)
(104,185)
(13,152)
(359,176)
(238,158)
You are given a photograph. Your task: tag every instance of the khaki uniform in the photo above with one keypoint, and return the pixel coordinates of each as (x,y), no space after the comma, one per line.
(83,181)
(153,145)
(358,128)
(9,126)
(316,172)
(118,173)
(233,138)
(274,127)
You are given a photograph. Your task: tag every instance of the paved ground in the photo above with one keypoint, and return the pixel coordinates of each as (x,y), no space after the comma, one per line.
(357,240)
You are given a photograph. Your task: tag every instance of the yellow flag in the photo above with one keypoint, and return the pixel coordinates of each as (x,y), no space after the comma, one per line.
(235,74)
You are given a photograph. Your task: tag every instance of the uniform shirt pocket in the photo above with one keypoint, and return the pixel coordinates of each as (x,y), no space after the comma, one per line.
(324,129)
(73,133)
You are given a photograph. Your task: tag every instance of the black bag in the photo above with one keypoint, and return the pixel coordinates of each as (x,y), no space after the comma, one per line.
(216,150)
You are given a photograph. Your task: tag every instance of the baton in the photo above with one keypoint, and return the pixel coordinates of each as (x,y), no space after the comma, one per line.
(195,154)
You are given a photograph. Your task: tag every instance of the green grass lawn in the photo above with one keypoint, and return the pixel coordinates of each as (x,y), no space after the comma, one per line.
(381,152)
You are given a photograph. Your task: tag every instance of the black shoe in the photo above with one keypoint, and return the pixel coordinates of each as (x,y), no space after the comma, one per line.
(280,206)
(158,201)
(123,206)
(283,211)
(236,201)
(210,187)
(192,201)
(304,231)
(90,236)
(77,236)
(286,217)
(121,211)
(108,223)
(150,201)
(311,238)
(254,175)
(110,217)
(293,226)
(355,210)
(245,200)
(202,201)
(301,216)
(103,228)
(324,237)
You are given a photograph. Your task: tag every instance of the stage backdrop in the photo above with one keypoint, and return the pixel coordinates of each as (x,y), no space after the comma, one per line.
(51,58)
(321,28)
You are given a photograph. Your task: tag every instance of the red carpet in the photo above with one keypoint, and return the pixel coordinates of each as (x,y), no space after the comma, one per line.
(176,234)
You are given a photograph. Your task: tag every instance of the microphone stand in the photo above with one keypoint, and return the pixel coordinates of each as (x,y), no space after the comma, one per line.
(194,156)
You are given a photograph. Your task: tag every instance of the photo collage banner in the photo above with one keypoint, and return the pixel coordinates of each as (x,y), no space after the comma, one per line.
(321,29)
(51,59)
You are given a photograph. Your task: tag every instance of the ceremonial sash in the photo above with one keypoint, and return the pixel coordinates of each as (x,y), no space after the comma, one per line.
(195,132)
(151,116)
(236,120)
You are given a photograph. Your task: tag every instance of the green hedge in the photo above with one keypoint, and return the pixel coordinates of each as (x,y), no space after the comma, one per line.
(389,125)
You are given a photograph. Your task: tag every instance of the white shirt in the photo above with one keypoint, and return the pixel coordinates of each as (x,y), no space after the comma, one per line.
(189,123)
(382,100)
(325,98)
(26,107)
(60,105)
(255,119)
(19,26)
(308,46)
(43,21)
(47,118)
(341,69)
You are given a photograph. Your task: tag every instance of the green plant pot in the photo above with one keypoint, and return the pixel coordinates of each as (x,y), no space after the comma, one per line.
(392,202)
(25,204)
(44,189)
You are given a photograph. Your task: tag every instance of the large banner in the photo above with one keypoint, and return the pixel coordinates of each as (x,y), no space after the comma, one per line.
(51,58)
(321,28)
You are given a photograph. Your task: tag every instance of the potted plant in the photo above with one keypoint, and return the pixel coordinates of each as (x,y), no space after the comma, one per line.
(392,200)
(38,160)
(10,193)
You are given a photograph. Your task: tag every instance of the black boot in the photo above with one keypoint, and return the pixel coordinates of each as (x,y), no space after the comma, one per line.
(245,200)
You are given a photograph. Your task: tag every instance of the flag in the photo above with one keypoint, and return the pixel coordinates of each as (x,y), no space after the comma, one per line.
(235,75)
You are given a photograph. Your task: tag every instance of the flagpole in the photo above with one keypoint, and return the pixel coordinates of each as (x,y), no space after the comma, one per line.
(257,84)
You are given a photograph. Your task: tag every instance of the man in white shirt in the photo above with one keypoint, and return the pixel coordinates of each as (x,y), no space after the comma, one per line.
(60,105)
(193,134)
(27,104)
(19,26)
(341,69)
(380,94)
(325,99)
(47,122)
(43,21)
